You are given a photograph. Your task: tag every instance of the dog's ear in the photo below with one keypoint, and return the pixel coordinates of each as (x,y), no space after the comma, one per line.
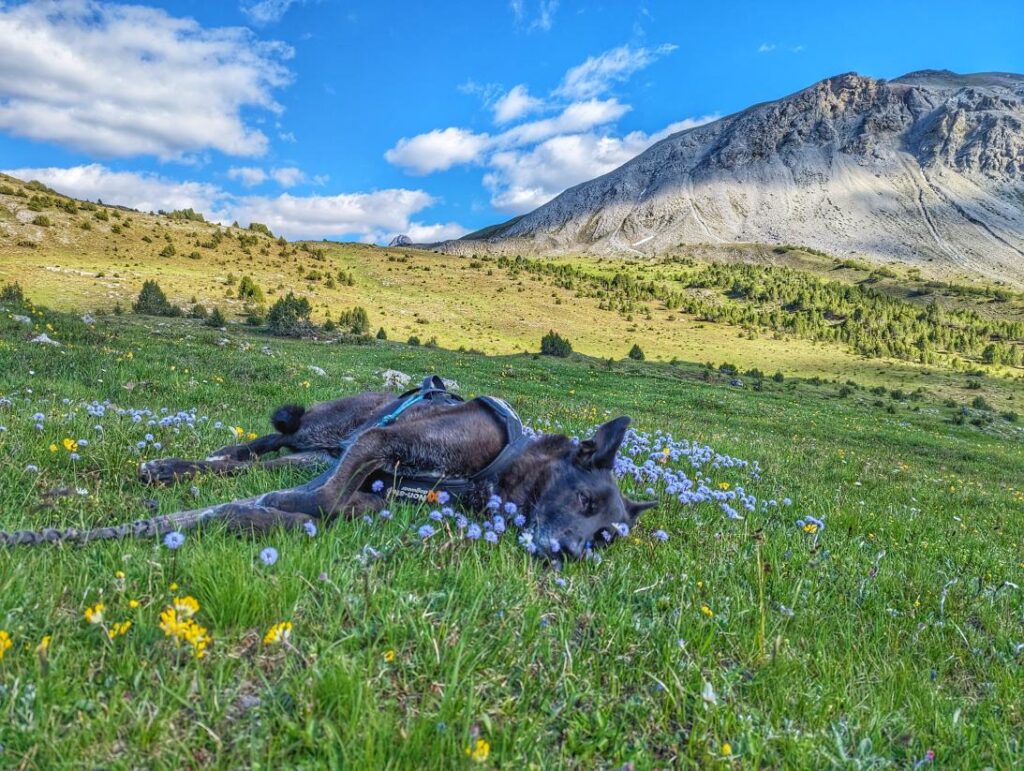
(636,508)
(599,450)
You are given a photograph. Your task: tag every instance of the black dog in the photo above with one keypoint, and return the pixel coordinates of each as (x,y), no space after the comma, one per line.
(566,490)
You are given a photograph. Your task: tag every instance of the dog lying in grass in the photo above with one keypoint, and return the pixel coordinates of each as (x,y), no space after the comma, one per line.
(379,447)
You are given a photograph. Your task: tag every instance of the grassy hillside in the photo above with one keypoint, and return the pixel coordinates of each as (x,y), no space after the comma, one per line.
(891,633)
(88,257)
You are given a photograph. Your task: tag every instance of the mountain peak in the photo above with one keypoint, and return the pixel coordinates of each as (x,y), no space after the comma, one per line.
(925,168)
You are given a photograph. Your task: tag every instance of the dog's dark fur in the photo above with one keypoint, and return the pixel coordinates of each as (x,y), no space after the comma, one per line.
(566,490)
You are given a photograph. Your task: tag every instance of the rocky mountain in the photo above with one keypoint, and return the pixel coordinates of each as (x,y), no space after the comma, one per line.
(927,168)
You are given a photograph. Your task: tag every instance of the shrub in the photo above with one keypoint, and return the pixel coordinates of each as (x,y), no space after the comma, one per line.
(979,403)
(216,319)
(42,221)
(553,344)
(198,312)
(187,214)
(153,302)
(12,293)
(259,227)
(168,251)
(778,377)
(413,340)
(636,353)
(356,321)
(289,316)
(381,334)
(248,290)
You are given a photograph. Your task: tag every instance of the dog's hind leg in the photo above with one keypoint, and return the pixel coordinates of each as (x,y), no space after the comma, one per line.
(253,519)
(165,471)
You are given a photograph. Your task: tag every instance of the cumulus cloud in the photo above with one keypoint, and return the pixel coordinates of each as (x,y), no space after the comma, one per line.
(599,73)
(766,48)
(532,161)
(138,190)
(250,176)
(514,104)
(437,150)
(123,80)
(522,180)
(288,176)
(375,216)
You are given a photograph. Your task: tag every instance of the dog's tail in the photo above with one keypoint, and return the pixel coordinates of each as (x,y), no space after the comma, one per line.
(141,528)
(287,419)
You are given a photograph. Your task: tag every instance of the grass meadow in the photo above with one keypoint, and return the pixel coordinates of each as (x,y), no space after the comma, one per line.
(890,637)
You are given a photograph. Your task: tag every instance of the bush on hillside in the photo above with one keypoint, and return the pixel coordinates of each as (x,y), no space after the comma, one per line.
(13,294)
(289,316)
(636,353)
(216,319)
(553,344)
(249,290)
(153,302)
(355,321)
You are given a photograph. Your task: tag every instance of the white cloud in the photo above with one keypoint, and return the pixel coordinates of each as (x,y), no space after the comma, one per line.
(437,150)
(250,176)
(579,116)
(288,176)
(123,80)
(599,73)
(142,191)
(375,216)
(539,16)
(266,11)
(766,48)
(523,180)
(516,103)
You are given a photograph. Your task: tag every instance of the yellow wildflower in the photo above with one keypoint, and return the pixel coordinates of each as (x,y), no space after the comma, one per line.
(811,528)
(5,643)
(133,604)
(727,749)
(70,445)
(278,633)
(479,751)
(44,647)
(706,611)
(238,431)
(53,447)
(173,587)
(723,485)
(389,656)
(119,628)
(119,575)
(94,615)
(186,607)
(251,435)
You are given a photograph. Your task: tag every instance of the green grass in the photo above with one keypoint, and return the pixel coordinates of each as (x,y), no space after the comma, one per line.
(902,636)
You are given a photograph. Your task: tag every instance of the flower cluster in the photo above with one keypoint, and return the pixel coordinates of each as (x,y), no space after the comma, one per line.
(176,622)
(5,643)
(278,634)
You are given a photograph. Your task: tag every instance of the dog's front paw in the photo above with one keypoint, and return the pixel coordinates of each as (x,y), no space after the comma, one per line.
(165,471)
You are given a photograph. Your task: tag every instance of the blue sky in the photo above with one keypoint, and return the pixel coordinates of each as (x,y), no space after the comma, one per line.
(359,120)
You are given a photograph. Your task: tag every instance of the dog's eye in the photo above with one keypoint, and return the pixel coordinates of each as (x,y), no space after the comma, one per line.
(586,504)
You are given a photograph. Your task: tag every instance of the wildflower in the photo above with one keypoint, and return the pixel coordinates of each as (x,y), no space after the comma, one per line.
(473,532)
(268,556)
(186,607)
(519,520)
(661,535)
(723,485)
(94,615)
(377,486)
(173,586)
(119,575)
(432,496)
(443,497)
(41,650)
(5,643)
(278,633)
(385,514)
(389,656)
(479,751)
(707,611)
(310,528)
(133,604)
(510,507)
(53,447)
(31,468)
(621,528)
(491,537)
(726,749)
(494,502)
(118,628)
(425,532)
(174,540)
(435,515)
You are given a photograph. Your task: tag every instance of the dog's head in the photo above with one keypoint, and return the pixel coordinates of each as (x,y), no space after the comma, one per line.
(579,503)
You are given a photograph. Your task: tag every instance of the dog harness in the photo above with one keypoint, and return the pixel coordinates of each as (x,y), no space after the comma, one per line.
(423,485)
